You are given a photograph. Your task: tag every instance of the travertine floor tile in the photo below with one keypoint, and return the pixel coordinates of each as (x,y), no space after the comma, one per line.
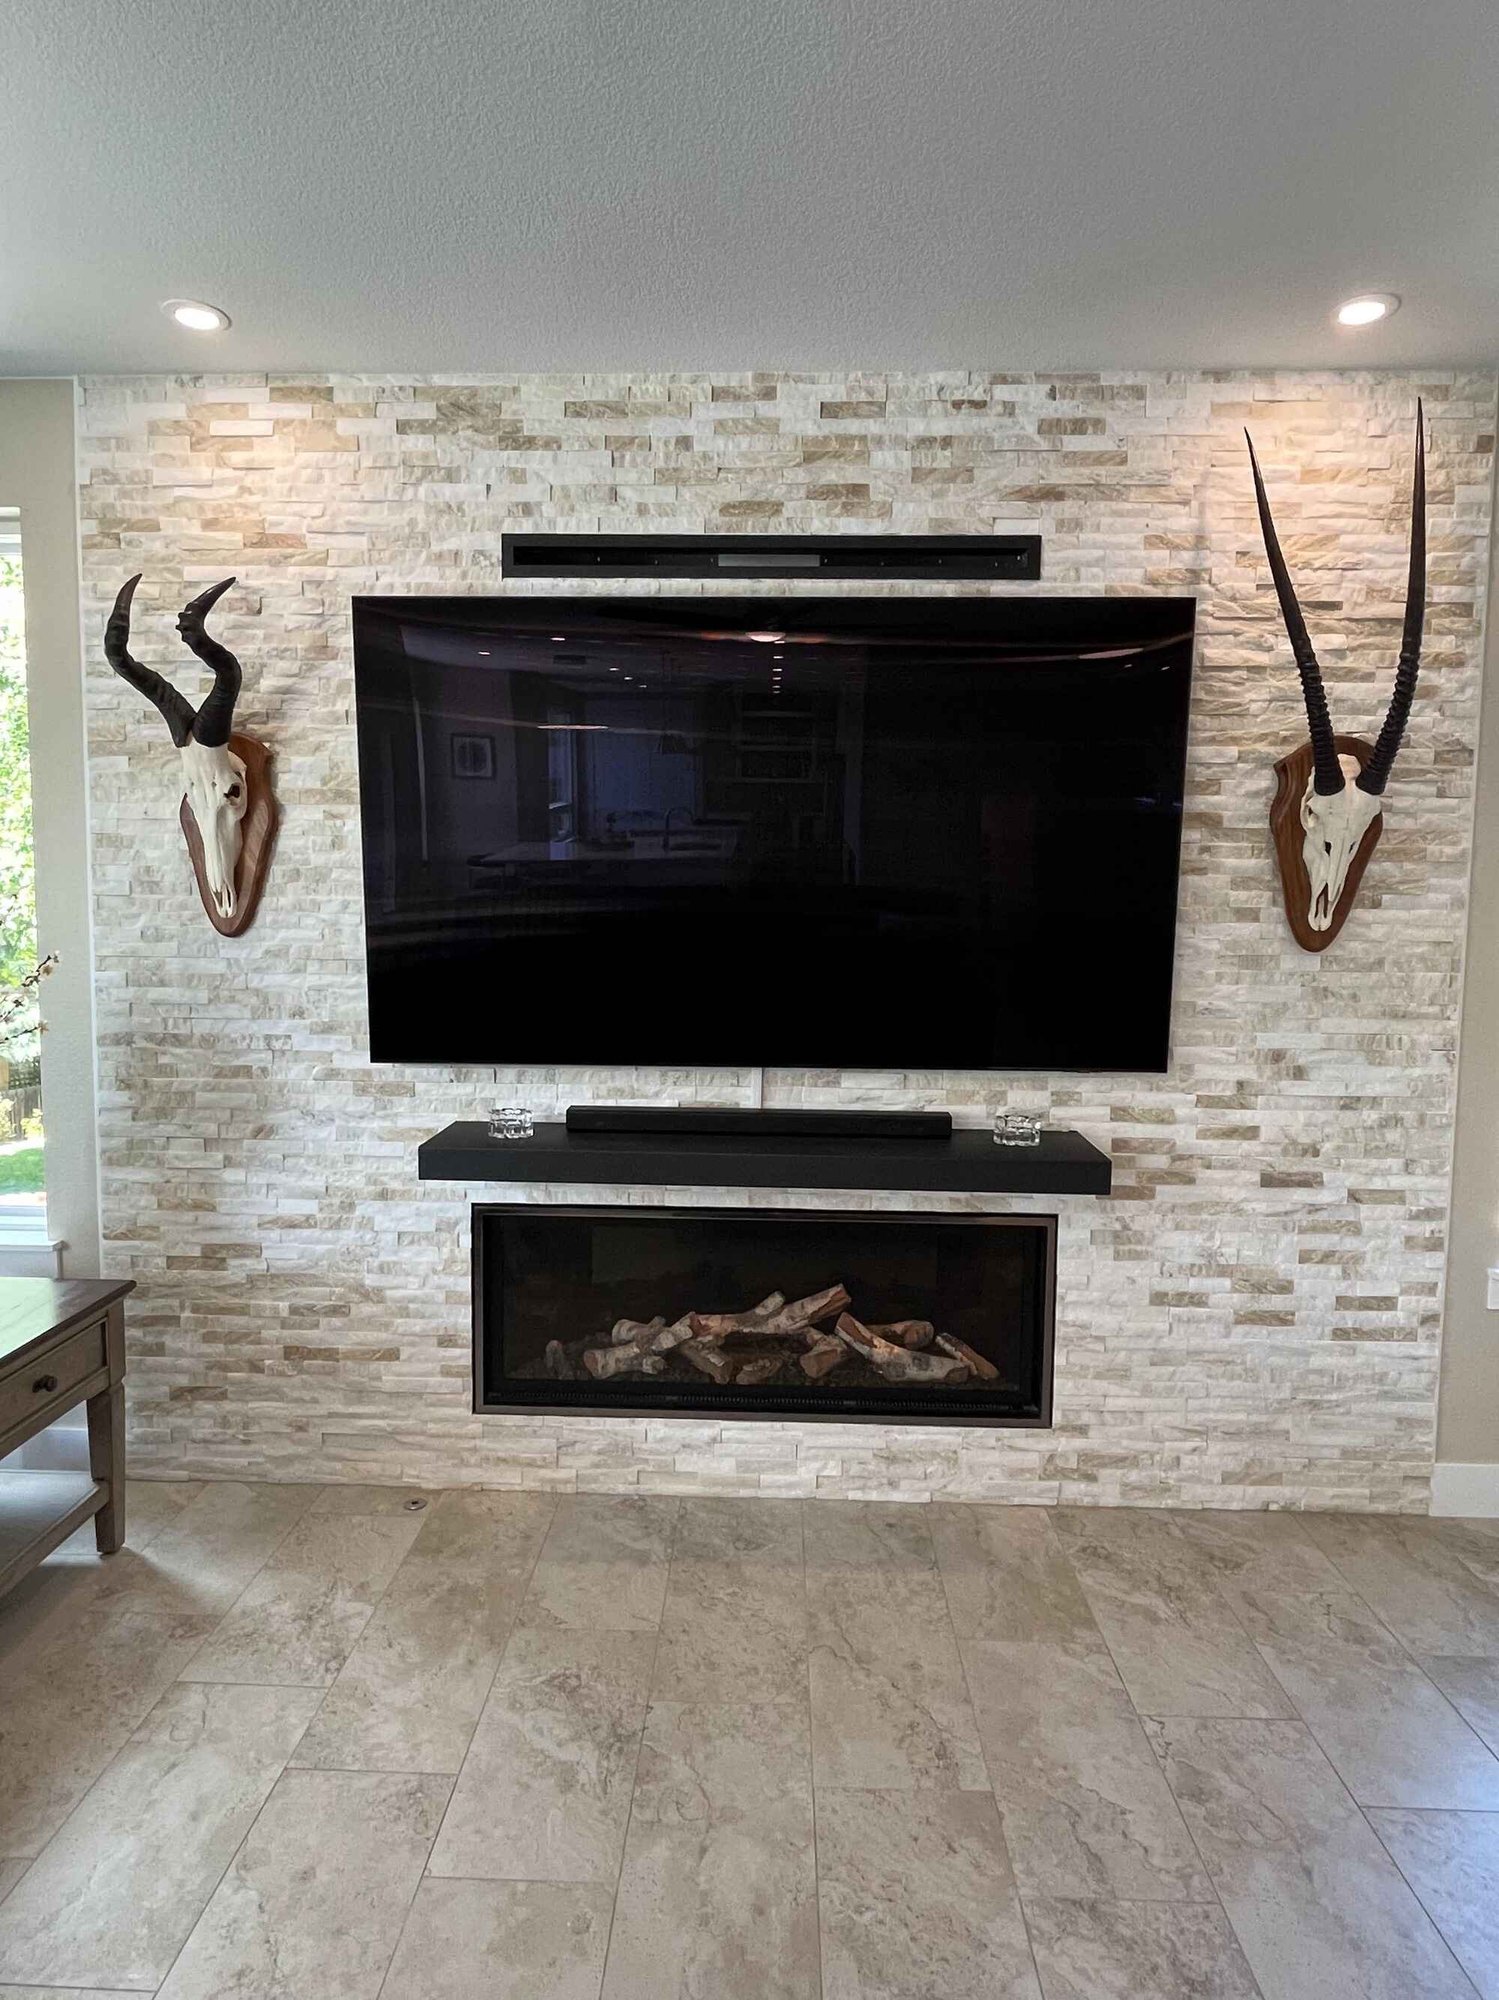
(1178,1647)
(1086,1810)
(1137,1951)
(1427,1595)
(1321,1911)
(730,1530)
(917,1899)
(603,1565)
(299,1620)
(64,1993)
(218,1542)
(782,1627)
(150,1506)
(1265,1552)
(1451,1860)
(718,1890)
(502,1941)
(1006,1575)
(76,1683)
(858,1534)
(544,1793)
(890,1703)
(732,1632)
(1472,1686)
(314,1902)
(744,1764)
(409,1694)
(1390,1735)
(1474,1543)
(115,1892)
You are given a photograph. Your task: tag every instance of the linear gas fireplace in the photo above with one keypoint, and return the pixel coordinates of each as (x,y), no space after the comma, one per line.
(752,1313)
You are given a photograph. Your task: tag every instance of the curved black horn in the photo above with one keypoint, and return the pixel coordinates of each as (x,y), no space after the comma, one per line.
(1375,774)
(176,709)
(216,714)
(1328,772)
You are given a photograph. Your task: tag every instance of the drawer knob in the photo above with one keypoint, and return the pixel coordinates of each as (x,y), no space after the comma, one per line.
(44,1385)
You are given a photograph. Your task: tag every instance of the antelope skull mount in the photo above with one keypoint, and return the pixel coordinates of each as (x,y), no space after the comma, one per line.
(228,814)
(1331,791)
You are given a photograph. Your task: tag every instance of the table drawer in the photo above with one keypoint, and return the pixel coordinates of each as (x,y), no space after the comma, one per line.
(40,1384)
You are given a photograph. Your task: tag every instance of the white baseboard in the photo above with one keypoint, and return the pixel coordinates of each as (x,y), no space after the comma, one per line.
(1466,1489)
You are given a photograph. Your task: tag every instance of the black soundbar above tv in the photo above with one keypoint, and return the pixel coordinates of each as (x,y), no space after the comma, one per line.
(892,833)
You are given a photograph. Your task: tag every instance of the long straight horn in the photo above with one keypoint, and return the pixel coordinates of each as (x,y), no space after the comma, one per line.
(1328,772)
(216,714)
(1375,774)
(176,709)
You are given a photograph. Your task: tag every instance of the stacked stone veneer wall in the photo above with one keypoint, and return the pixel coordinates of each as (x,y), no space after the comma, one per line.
(1252,1319)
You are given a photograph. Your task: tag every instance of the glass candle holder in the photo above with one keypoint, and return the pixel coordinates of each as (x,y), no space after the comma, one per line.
(511,1121)
(1017,1128)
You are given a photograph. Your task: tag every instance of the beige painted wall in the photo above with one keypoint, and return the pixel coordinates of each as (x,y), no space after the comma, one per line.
(36,475)
(1468,1415)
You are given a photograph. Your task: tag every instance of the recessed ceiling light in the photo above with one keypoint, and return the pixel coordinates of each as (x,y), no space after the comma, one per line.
(195,316)
(1367,308)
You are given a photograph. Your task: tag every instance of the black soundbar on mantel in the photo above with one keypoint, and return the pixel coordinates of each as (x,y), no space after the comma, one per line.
(965,1162)
(745,1122)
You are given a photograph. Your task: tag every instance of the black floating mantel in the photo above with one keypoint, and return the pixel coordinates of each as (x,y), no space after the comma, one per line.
(965,1163)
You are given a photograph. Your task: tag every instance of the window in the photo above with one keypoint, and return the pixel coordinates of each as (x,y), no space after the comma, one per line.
(22,1199)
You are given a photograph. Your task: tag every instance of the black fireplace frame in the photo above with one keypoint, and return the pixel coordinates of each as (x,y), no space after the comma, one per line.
(711,1403)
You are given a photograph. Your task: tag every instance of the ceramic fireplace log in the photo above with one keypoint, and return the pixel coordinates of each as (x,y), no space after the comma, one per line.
(903,1364)
(603,1363)
(772,1319)
(961,1351)
(753,1373)
(709,1361)
(627,1332)
(902,1351)
(718,1326)
(855,1334)
(825,1354)
(905,1332)
(898,1364)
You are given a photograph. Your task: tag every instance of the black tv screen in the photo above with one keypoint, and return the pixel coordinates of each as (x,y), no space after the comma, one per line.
(869,833)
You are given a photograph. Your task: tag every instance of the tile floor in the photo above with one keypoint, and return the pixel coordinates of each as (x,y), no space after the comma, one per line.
(363,1744)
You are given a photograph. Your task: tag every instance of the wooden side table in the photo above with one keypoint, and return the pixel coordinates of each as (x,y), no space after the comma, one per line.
(62,1342)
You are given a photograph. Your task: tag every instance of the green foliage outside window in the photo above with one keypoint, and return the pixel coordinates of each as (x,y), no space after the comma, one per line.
(17,880)
(21,1168)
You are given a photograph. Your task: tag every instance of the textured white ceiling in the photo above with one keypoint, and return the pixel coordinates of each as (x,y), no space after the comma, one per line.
(534,184)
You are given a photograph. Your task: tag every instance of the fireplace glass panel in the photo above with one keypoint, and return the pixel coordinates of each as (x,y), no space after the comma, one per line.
(551,1284)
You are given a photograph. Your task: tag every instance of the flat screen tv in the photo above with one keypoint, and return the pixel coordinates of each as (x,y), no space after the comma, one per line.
(823,833)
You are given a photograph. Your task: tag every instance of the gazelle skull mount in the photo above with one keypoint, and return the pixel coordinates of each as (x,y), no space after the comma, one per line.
(1329,807)
(228,814)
